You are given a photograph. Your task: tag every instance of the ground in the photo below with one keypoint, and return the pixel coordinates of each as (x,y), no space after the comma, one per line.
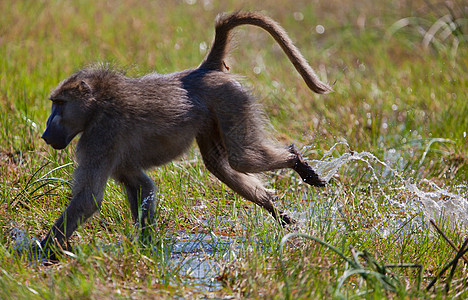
(391,138)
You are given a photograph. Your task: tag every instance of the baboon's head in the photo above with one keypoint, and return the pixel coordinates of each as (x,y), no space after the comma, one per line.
(70,111)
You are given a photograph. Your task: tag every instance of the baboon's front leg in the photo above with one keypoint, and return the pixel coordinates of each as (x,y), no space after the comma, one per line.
(87,197)
(78,211)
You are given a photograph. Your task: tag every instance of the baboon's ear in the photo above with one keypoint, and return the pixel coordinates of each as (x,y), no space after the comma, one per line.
(85,87)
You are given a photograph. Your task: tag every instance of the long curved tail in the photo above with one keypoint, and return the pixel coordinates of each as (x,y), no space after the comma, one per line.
(224,25)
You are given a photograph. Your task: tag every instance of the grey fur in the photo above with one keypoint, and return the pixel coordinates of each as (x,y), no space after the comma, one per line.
(128,125)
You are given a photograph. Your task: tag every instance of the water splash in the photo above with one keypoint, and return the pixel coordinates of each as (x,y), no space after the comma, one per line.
(22,240)
(440,202)
(412,203)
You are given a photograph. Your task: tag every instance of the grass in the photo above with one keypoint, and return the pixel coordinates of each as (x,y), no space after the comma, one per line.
(400,95)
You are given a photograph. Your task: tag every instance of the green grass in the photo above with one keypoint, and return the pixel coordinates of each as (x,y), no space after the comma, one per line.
(399,94)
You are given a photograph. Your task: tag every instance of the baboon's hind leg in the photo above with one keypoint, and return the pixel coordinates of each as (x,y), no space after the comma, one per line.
(247,185)
(248,147)
(140,195)
(250,150)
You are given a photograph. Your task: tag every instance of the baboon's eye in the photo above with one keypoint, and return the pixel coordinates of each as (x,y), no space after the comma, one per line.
(57,101)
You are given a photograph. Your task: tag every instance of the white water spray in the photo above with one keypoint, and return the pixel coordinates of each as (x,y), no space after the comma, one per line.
(408,199)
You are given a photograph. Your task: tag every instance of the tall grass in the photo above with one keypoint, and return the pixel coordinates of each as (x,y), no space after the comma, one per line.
(400,94)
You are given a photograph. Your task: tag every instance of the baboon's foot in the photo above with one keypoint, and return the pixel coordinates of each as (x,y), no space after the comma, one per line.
(284,219)
(307,174)
(281,217)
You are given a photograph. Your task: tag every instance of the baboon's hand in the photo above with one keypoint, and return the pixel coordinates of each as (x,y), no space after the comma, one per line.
(45,255)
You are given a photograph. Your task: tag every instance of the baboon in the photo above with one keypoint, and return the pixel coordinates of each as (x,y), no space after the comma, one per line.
(128,125)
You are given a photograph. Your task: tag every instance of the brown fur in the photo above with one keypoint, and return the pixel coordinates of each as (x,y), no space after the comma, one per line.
(128,125)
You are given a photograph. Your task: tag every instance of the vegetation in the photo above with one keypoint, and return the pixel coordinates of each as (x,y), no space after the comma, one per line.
(399,105)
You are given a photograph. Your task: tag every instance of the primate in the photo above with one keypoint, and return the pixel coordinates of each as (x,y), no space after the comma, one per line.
(128,125)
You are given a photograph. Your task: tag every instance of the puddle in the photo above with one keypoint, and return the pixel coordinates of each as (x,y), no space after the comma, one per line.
(196,258)
(199,258)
